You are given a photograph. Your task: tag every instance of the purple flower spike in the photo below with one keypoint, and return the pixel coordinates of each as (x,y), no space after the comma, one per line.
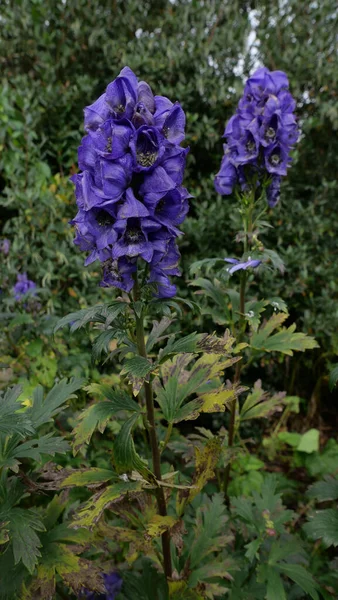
(129,191)
(260,136)
(242,265)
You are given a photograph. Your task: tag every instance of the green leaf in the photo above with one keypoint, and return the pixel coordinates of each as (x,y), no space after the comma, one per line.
(275,259)
(324,525)
(301,577)
(333,377)
(97,415)
(290,438)
(91,511)
(274,585)
(183,345)
(156,332)
(80,318)
(23,523)
(43,411)
(21,319)
(136,369)
(214,292)
(252,549)
(211,519)
(278,304)
(309,442)
(285,341)
(11,421)
(47,444)
(323,491)
(125,457)
(257,405)
(101,343)
(149,585)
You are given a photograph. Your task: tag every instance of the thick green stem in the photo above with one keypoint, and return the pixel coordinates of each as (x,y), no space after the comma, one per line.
(156,456)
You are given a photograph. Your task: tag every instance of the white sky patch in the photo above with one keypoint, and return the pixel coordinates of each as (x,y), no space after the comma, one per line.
(252,44)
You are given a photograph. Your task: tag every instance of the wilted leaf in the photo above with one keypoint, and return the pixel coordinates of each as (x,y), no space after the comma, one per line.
(205,462)
(87,477)
(137,369)
(218,400)
(158,525)
(92,510)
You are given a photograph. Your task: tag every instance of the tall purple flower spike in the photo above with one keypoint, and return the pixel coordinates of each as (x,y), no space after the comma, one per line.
(260,136)
(129,191)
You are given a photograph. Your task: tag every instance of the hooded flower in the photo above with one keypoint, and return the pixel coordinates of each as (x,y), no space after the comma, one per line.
(260,136)
(129,191)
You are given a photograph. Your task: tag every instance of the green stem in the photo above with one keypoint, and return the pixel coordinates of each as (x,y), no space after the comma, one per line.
(233,406)
(148,392)
(247,222)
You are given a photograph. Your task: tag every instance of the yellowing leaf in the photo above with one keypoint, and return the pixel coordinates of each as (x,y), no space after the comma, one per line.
(206,459)
(72,293)
(88,477)
(218,400)
(158,525)
(93,509)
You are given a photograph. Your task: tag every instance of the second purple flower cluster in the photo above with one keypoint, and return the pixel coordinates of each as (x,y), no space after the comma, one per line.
(129,193)
(260,135)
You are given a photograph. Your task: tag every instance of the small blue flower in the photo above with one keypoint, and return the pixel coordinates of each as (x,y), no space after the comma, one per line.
(23,286)
(241,265)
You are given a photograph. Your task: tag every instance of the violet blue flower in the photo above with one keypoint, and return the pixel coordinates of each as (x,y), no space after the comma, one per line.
(239,265)
(260,135)
(129,191)
(23,286)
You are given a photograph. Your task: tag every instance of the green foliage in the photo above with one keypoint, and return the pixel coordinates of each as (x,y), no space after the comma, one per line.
(96,416)
(285,341)
(11,421)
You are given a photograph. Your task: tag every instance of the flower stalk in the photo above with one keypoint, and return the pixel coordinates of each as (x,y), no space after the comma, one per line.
(155,450)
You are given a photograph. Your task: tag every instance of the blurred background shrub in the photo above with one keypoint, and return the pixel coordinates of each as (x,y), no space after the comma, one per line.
(57,56)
